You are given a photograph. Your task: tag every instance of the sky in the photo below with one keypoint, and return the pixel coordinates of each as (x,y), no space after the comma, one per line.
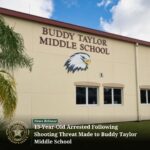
(124,17)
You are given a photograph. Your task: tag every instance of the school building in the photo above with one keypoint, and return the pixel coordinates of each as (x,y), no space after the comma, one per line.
(80,75)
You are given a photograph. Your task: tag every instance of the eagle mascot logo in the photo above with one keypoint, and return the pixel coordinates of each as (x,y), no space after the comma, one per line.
(77,62)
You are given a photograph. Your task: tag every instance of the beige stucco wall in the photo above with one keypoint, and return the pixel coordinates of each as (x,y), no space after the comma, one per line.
(144,78)
(49,91)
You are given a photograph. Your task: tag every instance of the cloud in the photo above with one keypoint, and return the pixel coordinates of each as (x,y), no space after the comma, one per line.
(43,8)
(70,3)
(129,18)
(104,3)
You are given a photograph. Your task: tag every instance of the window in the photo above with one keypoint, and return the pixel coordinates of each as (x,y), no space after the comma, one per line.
(86,95)
(81,95)
(112,95)
(92,95)
(117,96)
(145,96)
(107,96)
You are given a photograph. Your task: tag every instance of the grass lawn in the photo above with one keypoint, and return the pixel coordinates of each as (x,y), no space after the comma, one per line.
(142,128)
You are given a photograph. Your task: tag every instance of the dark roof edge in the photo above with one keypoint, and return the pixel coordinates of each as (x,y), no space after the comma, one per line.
(70,26)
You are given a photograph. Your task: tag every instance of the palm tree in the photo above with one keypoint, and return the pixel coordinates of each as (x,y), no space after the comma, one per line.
(12,56)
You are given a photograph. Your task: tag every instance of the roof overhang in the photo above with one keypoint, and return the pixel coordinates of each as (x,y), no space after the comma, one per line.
(29,17)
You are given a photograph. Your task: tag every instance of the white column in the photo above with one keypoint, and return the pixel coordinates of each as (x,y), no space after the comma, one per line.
(137,81)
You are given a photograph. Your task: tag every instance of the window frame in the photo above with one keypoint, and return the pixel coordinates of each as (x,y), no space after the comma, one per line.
(147,103)
(112,96)
(86,95)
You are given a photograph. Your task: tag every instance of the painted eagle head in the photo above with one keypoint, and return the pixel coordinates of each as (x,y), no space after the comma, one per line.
(78,61)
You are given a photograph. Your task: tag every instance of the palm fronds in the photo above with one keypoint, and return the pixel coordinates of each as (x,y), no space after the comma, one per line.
(12,56)
(8,97)
(12,53)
